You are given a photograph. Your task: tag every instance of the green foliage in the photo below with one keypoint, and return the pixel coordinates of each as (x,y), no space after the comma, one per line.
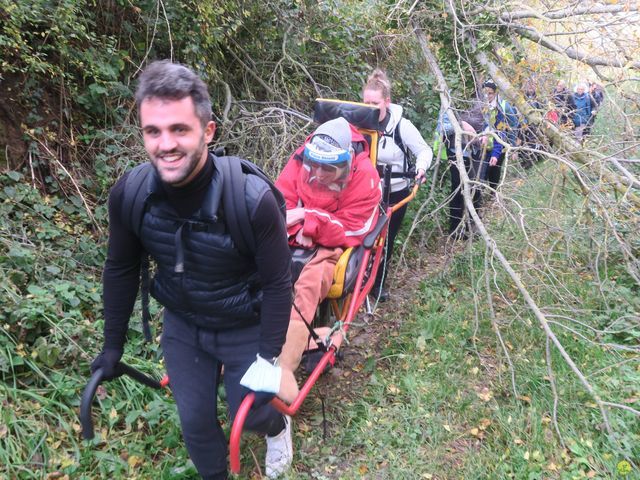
(55,47)
(49,263)
(441,381)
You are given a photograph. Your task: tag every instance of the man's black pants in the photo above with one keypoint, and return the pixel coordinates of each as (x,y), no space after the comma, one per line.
(193,358)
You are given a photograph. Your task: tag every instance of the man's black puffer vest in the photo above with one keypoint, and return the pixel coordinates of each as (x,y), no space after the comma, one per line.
(201,275)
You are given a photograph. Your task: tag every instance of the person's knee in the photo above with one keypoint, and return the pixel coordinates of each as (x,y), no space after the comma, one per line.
(196,424)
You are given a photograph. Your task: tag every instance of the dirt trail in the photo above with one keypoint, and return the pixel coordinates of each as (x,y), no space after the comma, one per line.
(369,334)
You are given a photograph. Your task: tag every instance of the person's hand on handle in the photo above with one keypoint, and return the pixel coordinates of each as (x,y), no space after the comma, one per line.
(108,360)
(263,378)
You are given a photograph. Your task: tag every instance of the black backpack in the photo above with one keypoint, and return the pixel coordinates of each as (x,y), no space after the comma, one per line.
(233,170)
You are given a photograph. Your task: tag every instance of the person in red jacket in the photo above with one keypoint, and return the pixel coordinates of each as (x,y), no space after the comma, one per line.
(332,195)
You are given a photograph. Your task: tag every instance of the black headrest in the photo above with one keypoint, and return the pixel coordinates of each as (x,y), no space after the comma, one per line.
(357,114)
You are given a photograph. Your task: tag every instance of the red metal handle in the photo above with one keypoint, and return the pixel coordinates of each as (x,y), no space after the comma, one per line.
(236,432)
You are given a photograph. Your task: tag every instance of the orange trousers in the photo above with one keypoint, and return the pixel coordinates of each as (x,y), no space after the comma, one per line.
(310,289)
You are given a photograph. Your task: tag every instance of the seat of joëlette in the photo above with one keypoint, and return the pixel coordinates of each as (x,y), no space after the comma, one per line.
(345,272)
(365,118)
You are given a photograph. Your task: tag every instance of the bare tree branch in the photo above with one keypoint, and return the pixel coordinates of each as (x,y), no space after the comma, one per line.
(620,183)
(574,53)
(568,12)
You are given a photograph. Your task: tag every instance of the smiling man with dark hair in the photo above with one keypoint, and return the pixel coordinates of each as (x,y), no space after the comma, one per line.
(222,305)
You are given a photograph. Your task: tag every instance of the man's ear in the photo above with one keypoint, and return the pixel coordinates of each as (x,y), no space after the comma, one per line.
(209,131)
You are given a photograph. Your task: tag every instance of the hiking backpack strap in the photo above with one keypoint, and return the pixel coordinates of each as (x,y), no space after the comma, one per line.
(397,138)
(408,156)
(236,211)
(136,192)
(408,166)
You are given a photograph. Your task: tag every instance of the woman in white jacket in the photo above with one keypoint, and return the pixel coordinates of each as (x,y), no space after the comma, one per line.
(399,139)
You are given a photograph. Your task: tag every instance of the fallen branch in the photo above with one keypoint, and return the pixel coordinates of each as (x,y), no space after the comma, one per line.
(621,184)
(490,242)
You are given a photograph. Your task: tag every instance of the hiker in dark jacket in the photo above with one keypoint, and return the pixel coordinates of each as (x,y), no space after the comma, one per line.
(472,122)
(221,307)
(500,119)
(597,95)
(563,101)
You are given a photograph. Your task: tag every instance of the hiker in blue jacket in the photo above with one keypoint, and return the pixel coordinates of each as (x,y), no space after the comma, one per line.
(501,120)
(583,108)
(222,307)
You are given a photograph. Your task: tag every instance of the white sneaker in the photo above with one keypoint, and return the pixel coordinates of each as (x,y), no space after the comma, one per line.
(279,451)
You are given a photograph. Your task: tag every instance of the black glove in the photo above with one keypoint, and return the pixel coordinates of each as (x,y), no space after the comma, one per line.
(261,398)
(108,362)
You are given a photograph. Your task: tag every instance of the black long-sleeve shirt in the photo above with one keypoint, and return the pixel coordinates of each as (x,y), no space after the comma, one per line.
(272,258)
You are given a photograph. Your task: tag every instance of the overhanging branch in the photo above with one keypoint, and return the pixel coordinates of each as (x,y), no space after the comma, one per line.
(574,53)
(622,184)
(568,12)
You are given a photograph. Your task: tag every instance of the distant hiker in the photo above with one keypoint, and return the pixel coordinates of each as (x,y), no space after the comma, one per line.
(399,142)
(583,107)
(332,193)
(471,123)
(222,306)
(597,94)
(563,101)
(530,134)
(501,120)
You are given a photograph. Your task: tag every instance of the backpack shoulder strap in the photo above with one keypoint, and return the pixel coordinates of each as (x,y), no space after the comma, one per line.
(234,197)
(397,137)
(253,169)
(135,196)
(236,212)
(408,156)
(134,200)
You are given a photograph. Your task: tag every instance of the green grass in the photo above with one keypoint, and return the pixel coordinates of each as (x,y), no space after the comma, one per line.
(437,407)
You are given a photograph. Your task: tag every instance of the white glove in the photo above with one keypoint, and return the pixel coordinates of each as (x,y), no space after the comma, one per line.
(262,376)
